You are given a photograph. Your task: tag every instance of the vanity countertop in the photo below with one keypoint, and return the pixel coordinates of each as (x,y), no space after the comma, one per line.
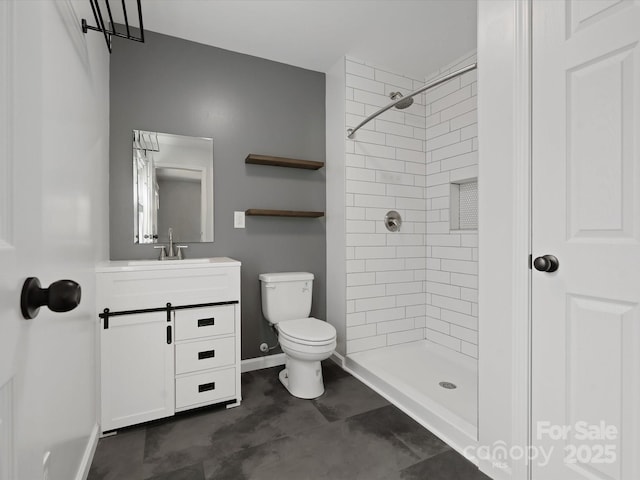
(139,265)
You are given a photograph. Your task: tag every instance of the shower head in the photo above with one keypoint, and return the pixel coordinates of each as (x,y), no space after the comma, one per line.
(407,102)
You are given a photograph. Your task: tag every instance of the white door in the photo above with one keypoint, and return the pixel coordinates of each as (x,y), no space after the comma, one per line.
(586,212)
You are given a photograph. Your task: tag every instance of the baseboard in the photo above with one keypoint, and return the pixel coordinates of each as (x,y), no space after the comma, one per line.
(259,363)
(337,359)
(89,452)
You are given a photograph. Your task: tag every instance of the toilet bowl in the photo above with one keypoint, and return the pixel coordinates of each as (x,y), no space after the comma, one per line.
(305,341)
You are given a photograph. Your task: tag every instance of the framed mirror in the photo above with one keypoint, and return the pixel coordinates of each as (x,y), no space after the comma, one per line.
(172,188)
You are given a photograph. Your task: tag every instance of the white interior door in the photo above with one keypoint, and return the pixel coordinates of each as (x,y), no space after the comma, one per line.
(586,212)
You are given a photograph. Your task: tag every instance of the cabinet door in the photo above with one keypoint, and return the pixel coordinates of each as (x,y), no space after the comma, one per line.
(137,369)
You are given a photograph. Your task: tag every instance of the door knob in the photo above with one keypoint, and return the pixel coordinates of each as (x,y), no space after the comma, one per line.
(546,263)
(61,296)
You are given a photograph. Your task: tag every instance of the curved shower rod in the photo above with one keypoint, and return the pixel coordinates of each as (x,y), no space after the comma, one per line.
(424,88)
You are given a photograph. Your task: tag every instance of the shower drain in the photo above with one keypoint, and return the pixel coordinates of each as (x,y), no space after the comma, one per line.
(448,385)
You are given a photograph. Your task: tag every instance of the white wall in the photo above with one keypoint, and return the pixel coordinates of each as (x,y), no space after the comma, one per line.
(385,170)
(452,255)
(61,132)
(335,202)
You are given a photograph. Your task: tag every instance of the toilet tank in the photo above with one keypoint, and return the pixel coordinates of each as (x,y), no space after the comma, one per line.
(286,296)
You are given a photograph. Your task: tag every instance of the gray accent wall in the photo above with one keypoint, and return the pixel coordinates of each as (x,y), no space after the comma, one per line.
(247,105)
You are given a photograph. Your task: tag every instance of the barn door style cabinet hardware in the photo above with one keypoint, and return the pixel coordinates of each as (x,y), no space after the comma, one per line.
(109,28)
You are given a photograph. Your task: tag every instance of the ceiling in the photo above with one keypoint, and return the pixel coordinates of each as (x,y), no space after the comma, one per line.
(409,37)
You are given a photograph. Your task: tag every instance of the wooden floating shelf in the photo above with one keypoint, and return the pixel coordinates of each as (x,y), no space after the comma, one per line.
(283,162)
(257,212)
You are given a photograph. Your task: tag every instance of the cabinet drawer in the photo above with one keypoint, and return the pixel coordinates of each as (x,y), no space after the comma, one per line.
(206,387)
(204,322)
(205,354)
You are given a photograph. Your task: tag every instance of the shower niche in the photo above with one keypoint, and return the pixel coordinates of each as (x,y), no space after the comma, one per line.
(463,205)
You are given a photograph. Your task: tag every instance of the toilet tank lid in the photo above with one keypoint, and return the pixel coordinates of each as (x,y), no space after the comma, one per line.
(285,277)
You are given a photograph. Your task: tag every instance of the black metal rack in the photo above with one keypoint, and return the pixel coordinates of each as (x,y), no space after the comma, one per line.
(109,32)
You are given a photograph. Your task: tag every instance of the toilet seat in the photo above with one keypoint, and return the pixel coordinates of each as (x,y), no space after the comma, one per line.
(307,331)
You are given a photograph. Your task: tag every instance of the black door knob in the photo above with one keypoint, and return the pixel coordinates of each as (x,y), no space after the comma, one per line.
(61,296)
(546,263)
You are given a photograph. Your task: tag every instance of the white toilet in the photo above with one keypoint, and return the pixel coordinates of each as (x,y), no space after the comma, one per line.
(306,341)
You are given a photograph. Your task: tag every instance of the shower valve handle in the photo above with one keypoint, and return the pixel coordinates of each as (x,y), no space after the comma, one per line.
(546,263)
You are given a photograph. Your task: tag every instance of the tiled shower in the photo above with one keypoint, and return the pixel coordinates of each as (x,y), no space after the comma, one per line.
(421,282)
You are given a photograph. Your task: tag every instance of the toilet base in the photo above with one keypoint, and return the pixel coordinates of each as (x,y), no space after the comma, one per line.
(303,379)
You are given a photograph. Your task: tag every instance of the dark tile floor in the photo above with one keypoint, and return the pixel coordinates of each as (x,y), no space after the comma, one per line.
(348,433)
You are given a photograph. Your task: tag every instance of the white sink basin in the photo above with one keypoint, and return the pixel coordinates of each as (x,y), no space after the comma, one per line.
(169,262)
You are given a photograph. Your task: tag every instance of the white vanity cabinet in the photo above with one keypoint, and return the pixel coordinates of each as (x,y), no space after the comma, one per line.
(169,338)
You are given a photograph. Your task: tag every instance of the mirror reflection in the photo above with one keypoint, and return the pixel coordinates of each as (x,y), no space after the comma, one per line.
(172,187)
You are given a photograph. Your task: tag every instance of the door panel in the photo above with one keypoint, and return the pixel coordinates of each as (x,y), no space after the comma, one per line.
(586,212)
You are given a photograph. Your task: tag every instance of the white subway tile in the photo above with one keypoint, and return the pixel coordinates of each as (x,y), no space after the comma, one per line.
(455,110)
(460,161)
(474,309)
(448,303)
(405,239)
(348,94)
(443,90)
(355,108)
(452,99)
(416,311)
(442,240)
(438,179)
(407,336)
(405,191)
(394,128)
(431,310)
(415,168)
(394,276)
(433,264)
(464,173)
(370,98)
(368,188)
(419,133)
(355,266)
(462,280)
(469,240)
(414,216)
(410,203)
(372,150)
(397,116)
(361,174)
(416,264)
(359,69)
(365,240)
(368,343)
(362,83)
(376,252)
(404,288)
(385,264)
(394,326)
(361,331)
(440,203)
(443,140)
(468,78)
(377,163)
(437,276)
(360,226)
(438,191)
(353,160)
(458,266)
(408,155)
(393,79)
(361,200)
(451,151)
(358,318)
(351,306)
(437,129)
(442,339)
(376,214)
(469,349)
(355,279)
(394,178)
(408,251)
(367,291)
(420,322)
(464,120)
(367,136)
(443,289)
(457,318)
(355,213)
(351,119)
(470,294)
(350,253)
(385,314)
(465,334)
(438,325)
(412,299)
(404,142)
(415,120)
(370,304)
(452,253)
(348,200)
(469,132)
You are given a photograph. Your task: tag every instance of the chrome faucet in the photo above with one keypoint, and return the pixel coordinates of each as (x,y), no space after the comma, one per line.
(171,253)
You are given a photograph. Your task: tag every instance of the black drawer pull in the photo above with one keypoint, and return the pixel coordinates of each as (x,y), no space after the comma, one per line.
(206,354)
(206,322)
(206,387)
(169,339)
